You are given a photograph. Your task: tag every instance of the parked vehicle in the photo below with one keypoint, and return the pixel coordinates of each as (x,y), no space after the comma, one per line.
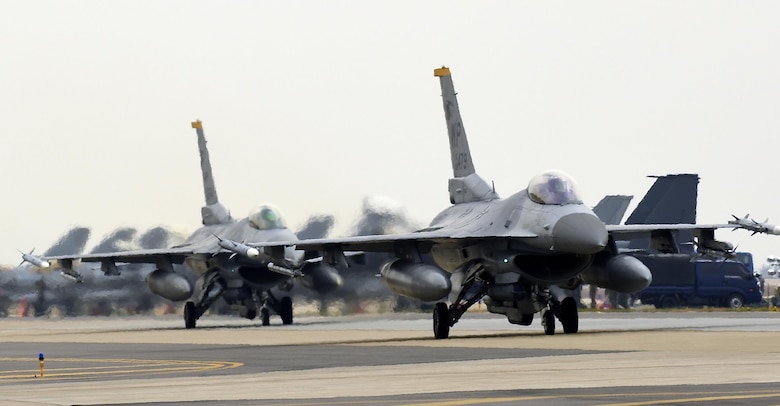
(686,280)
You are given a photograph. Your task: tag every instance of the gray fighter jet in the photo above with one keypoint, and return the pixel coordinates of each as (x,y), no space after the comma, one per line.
(227,267)
(509,251)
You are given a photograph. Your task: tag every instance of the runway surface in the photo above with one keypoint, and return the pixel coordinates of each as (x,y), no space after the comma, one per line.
(617,359)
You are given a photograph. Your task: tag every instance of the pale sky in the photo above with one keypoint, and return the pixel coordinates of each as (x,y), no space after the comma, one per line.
(313,105)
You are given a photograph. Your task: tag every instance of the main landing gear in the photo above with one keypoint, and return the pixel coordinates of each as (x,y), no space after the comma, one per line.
(472,289)
(475,287)
(214,287)
(282,307)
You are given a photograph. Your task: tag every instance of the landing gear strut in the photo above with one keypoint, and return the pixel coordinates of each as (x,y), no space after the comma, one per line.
(190,315)
(214,287)
(471,291)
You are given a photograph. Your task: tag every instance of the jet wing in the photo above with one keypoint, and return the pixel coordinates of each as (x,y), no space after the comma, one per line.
(663,240)
(746,223)
(631,231)
(387,243)
(175,255)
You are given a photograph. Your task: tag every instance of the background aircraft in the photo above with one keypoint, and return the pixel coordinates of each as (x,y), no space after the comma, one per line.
(219,254)
(510,251)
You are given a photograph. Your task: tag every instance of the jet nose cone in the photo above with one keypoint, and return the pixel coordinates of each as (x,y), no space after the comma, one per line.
(579,233)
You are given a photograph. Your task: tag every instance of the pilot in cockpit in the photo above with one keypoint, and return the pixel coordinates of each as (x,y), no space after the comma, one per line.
(266,217)
(553,187)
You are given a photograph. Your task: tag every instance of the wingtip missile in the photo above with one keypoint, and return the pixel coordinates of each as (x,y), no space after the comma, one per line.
(34,259)
(756,227)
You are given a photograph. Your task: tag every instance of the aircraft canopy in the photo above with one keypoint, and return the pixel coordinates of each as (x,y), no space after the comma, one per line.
(553,187)
(266,217)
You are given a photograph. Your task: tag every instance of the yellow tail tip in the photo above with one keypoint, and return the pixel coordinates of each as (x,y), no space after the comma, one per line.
(197,124)
(443,71)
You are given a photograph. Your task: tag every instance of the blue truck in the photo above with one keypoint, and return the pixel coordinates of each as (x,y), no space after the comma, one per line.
(688,280)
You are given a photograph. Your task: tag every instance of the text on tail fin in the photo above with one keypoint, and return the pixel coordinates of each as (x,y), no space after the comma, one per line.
(462,164)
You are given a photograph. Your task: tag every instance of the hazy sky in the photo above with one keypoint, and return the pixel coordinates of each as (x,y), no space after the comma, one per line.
(313,105)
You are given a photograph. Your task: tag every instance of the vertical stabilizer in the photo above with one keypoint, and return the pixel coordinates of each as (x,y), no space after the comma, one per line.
(466,185)
(671,200)
(213,212)
(612,208)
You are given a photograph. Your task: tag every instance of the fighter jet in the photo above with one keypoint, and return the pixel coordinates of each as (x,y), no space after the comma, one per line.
(227,267)
(508,251)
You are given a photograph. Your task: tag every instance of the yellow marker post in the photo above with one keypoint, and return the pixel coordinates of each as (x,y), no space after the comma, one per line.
(40,362)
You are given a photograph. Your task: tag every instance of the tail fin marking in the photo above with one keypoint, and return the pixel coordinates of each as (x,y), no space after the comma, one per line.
(213,212)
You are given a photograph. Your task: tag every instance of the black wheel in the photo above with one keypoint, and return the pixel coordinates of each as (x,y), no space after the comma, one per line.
(668,302)
(251,314)
(569,316)
(735,301)
(265,316)
(190,315)
(526,319)
(441,321)
(286,310)
(548,322)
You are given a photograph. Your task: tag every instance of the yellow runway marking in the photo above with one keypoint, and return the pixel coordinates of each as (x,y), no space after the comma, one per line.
(658,398)
(120,367)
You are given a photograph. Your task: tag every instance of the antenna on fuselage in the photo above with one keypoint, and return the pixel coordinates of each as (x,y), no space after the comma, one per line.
(213,212)
(466,185)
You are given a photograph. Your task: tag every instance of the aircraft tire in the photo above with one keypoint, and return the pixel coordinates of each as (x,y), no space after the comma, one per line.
(286,310)
(265,317)
(548,322)
(251,314)
(190,315)
(569,317)
(441,321)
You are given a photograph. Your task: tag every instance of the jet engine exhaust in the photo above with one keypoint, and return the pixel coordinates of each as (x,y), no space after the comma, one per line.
(621,273)
(169,285)
(416,280)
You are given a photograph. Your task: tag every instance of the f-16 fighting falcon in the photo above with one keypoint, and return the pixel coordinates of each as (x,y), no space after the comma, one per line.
(510,251)
(219,253)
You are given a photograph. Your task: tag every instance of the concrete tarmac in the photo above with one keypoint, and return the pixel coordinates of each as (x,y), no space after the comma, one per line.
(617,358)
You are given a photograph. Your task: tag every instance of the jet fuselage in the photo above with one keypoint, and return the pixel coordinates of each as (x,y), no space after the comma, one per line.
(232,268)
(571,232)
